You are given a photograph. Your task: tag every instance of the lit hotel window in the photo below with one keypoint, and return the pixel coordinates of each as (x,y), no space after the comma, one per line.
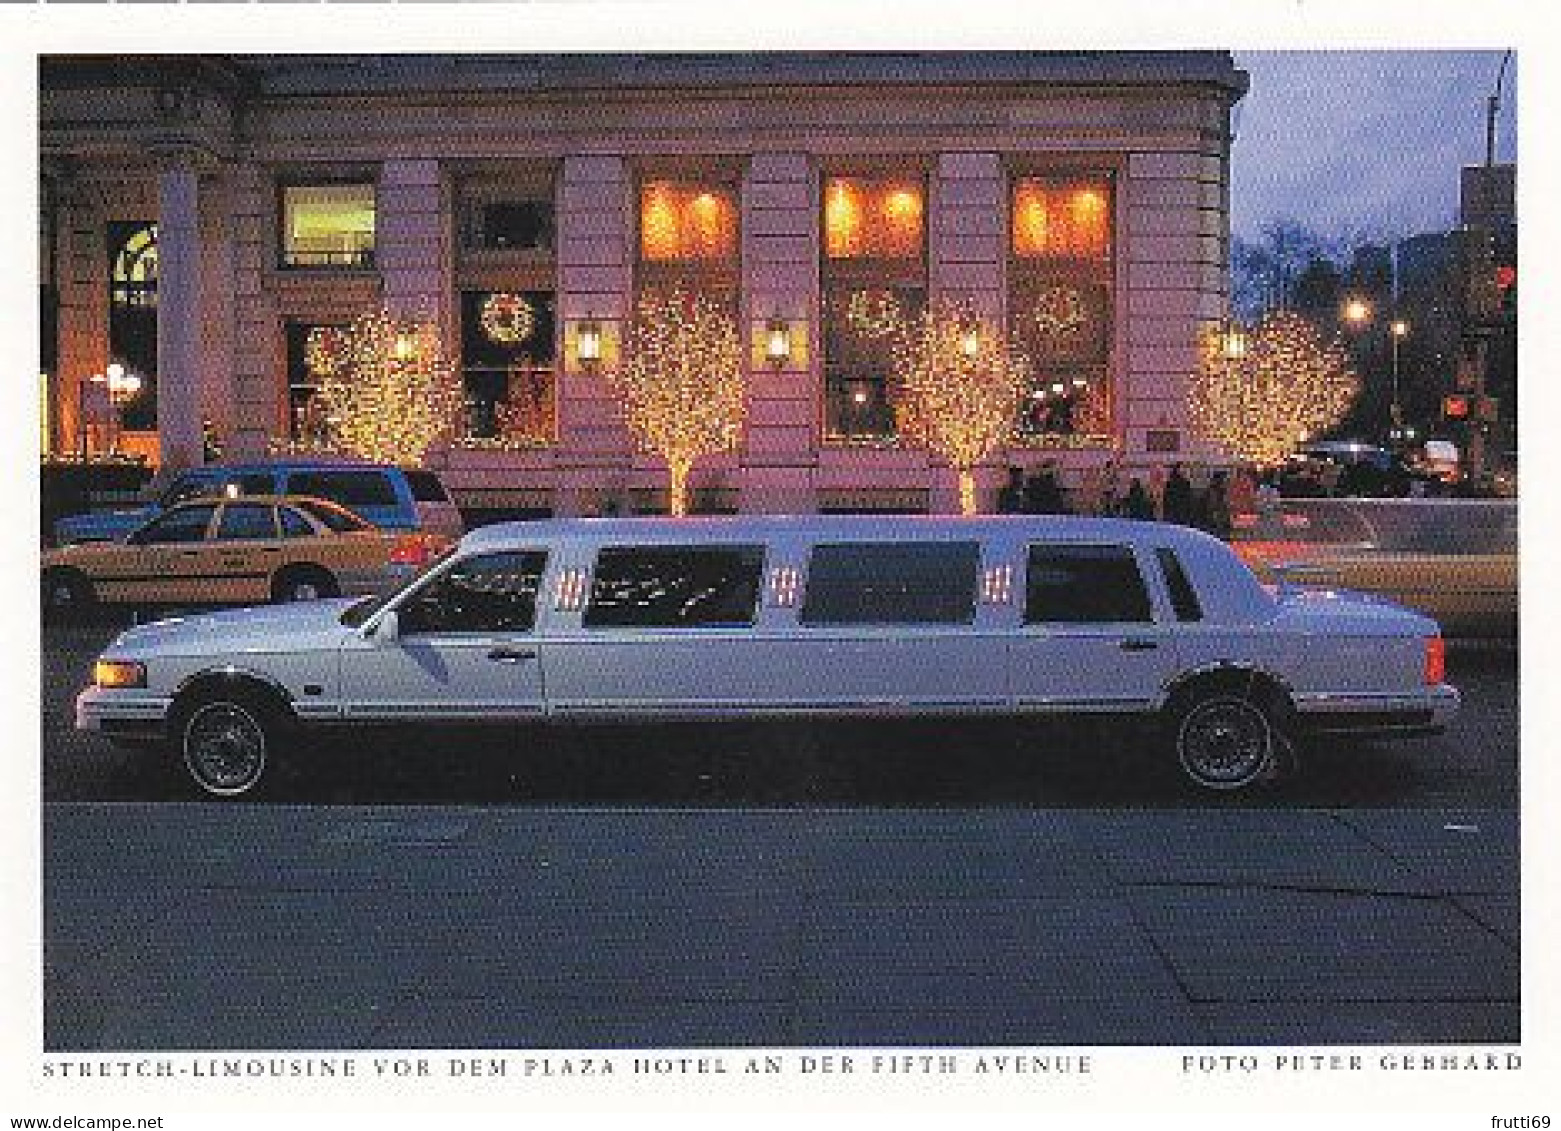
(872,219)
(1060,303)
(328,225)
(687,223)
(874,277)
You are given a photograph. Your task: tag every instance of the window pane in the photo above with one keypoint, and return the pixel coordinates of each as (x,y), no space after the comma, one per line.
(892,582)
(858,356)
(1184,599)
(682,223)
(674,587)
(328,225)
(426,487)
(188,525)
(873,219)
(334,518)
(516,224)
(507,363)
(294,525)
(246,521)
(492,593)
(1085,584)
(349,488)
(1061,219)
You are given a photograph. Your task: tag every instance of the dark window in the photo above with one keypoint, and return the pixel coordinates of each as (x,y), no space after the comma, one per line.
(185,525)
(1184,599)
(258,484)
(1075,584)
(294,525)
(491,593)
(132,317)
(674,587)
(246,521)
(426,487)
(334,518)
(512,224)
(892,583)
(349,488)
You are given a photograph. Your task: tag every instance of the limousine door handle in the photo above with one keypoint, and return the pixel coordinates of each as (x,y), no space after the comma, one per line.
(1135,644)
(511,655)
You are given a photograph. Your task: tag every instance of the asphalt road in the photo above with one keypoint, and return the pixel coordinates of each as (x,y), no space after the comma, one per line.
(898,763)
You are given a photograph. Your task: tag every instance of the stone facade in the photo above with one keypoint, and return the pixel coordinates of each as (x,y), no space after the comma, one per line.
(204,146)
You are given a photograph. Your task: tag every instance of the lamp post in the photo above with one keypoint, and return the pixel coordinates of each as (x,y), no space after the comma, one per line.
(1398,330)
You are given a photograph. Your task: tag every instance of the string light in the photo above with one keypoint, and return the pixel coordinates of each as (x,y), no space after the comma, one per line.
(874,313)
(1288,384)
(682,382)
(394,393)
(958,386)
(324,349)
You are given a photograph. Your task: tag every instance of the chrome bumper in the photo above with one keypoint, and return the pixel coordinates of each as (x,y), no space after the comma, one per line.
(1425,713)
(122,711)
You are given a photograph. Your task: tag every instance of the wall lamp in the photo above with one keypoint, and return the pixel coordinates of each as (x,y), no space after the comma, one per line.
(777,343)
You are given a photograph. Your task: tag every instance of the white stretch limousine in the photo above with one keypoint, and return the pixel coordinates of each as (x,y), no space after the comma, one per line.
(725,617)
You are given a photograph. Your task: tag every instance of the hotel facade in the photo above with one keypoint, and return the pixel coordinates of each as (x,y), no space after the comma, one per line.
(209,224)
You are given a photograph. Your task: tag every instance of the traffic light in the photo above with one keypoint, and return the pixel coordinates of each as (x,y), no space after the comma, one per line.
(1455,407)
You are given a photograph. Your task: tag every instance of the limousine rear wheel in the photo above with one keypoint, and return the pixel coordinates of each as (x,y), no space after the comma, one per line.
(1226,740)
(225,740)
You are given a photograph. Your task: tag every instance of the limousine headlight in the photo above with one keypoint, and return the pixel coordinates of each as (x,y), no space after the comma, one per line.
(119,673)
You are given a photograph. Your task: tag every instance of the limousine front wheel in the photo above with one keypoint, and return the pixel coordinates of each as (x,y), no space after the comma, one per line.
(224,743)
(1226,740)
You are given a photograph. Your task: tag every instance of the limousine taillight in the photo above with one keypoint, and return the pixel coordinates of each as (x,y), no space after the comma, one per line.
(1435,660)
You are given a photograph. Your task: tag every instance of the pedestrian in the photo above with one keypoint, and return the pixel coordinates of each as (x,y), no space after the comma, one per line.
(1138,504)
(1042,493)
(1010,498)
(1216,506)
(1108,500)
(1157,489)
(1242,493)
(1176,504)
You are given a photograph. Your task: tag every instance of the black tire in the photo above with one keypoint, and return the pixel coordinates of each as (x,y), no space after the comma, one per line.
(227,739)
(66,594)
(1229,736)
(303,583)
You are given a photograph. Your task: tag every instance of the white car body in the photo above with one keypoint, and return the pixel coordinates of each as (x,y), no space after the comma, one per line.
(1328,660)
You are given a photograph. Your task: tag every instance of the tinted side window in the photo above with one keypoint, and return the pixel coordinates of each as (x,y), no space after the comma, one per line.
(186,488)
(674,586)
(892,583)
(350,488)
(1184,598)
(1076,584)
(426,487)
(294,525)
(187,525)
(491,593)
(246,521)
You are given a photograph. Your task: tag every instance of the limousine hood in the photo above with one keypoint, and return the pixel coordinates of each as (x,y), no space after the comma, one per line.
(268,628)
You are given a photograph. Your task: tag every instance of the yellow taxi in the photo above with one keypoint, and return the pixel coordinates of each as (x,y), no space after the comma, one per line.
(235,551)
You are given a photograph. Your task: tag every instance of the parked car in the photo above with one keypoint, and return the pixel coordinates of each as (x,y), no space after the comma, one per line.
(391,497)
(613,619)
(248,549)
(1452,559)
(1351,468)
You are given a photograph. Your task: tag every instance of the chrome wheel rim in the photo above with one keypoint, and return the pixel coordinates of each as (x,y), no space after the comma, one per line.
(224,748)
(1225,743)
(302,591)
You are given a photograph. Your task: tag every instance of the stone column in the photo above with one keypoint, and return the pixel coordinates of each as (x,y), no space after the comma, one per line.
(180,316)
(780,270)
(969,201)
(412,240)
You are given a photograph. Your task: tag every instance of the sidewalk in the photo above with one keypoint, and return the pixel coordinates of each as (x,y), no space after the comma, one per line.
(212,926)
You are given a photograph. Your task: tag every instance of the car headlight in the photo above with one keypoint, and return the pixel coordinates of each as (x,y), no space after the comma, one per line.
(119,673)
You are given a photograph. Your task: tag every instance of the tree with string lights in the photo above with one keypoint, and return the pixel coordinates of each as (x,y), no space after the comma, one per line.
(387,390)
(681,383)
(957,387)
(1258,394)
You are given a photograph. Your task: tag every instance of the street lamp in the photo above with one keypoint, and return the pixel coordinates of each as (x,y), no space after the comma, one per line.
(1357,312)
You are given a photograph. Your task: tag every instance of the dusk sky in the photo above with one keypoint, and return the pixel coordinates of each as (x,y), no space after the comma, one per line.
(1365,142)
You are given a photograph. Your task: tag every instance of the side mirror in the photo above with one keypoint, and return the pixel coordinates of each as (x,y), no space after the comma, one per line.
(387,628)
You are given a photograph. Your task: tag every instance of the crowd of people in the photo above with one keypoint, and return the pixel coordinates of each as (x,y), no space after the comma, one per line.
(1168,495)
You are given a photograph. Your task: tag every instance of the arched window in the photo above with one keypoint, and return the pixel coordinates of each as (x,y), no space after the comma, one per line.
(133,275)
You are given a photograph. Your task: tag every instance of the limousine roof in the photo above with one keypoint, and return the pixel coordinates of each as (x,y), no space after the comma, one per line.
(1227,589)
